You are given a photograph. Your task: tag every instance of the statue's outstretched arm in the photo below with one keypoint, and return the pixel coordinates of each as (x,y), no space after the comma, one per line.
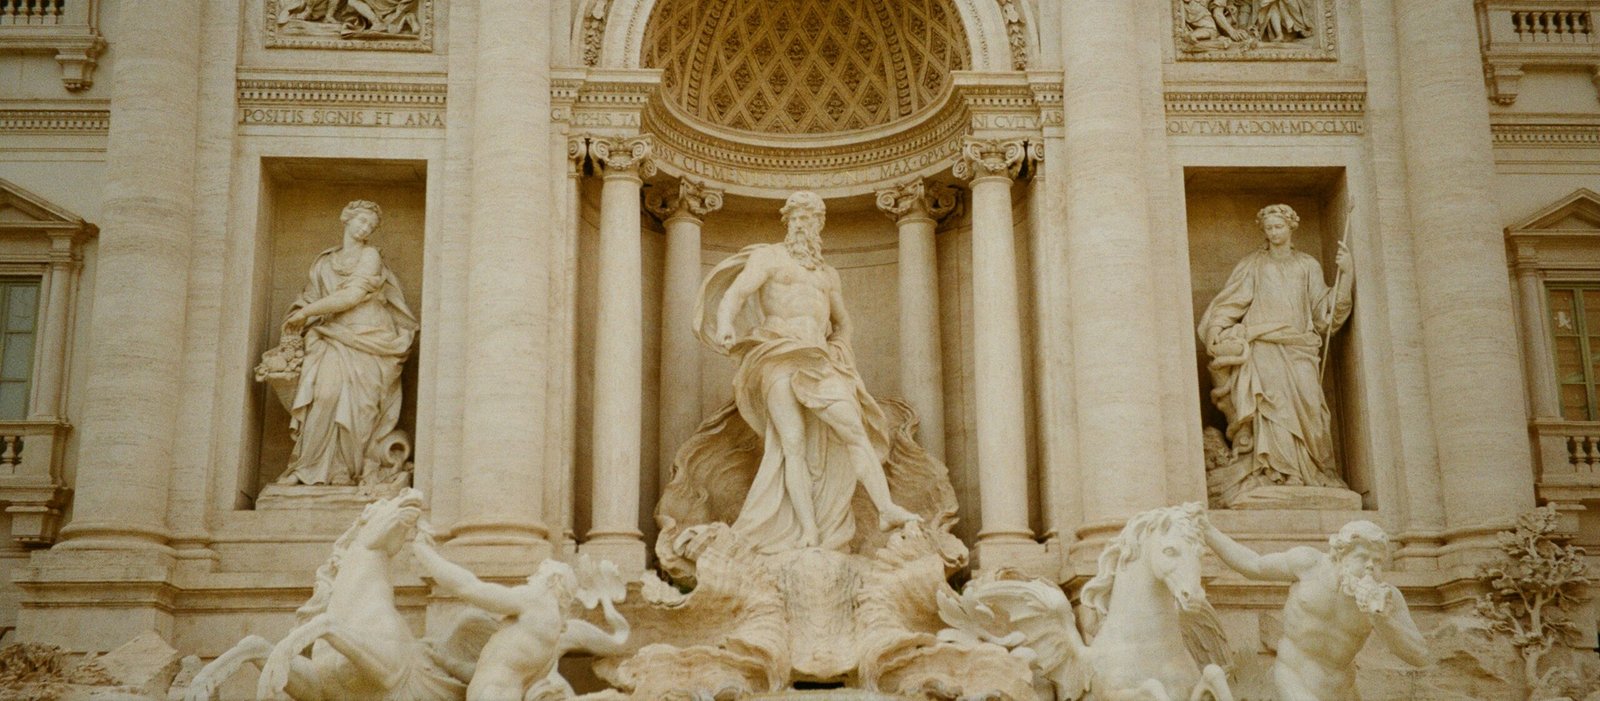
(461,583)
(1272,567)
(583,635)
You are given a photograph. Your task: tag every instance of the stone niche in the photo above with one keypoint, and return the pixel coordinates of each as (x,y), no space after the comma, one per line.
(1221,207)
(301,202)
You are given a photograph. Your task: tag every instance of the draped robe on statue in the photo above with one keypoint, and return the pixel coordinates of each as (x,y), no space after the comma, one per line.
(348,399)
(1278,418)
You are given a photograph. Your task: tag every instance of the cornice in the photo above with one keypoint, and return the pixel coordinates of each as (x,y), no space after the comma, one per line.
(1265,113)
(337,93)
(1546,135)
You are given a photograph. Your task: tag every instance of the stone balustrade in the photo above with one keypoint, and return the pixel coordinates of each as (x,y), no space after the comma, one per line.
(31,483)
(1516,34)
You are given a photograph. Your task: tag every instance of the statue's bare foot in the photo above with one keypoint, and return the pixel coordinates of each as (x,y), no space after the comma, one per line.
(894,517)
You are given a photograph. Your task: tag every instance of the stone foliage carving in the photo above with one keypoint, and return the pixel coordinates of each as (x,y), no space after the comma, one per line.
(519,660)
(337,366)
(1336,602)
(405,25)
(1533,590)
(1006,158)
(1254,29)
(916,198)
(1150,631)
(1266,334)
(693,199)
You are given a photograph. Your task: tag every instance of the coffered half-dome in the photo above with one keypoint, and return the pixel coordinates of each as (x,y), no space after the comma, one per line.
(795,67)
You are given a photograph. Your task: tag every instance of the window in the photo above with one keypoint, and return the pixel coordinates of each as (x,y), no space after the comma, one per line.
(19,314)
(1575,321)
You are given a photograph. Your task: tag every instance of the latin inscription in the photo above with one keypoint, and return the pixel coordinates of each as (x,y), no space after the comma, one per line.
(1286,126)
(318,117)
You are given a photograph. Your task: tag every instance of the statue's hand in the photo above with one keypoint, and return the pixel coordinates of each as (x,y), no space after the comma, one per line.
(725,337)
(295,321)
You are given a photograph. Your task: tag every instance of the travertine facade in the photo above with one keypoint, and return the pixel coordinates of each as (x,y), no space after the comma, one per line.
(1030,206)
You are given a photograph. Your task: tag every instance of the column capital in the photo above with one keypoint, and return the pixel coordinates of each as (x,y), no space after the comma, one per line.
(1008,158)
(694,199)
(915,199)
(577,153)
(623,156)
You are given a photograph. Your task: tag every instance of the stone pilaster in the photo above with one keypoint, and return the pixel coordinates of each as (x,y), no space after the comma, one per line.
(1468,331)
(992,166)
(60,285)
(502,477)
(682,214)
(618,349)
(916,213)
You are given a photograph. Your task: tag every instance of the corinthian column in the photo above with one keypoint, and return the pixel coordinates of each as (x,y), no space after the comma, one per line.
(997,348)
(129,422)
(1468,330)
(502,483)
(680,355)
(916,214)
(619,355)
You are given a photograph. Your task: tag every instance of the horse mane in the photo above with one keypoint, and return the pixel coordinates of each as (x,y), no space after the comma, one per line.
(323,589)
(1124,548)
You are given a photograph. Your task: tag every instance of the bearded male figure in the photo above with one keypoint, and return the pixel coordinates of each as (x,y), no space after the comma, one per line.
(779,310)
(1335,603)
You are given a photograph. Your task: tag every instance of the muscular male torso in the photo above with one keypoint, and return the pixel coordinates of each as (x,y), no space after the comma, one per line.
(796,300)
(1323,631)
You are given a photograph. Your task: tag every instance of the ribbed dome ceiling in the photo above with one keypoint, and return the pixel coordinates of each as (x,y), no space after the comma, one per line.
(804,66)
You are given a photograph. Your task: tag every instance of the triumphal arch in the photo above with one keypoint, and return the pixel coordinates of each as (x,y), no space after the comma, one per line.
(855,349)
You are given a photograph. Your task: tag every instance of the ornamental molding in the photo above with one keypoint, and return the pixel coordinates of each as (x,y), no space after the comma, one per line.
(1198,36)
(1205,113)
(341,103)
(414,31)
(1547,135)
(56,122)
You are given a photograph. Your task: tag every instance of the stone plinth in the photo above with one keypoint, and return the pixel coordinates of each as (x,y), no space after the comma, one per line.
(1299,498)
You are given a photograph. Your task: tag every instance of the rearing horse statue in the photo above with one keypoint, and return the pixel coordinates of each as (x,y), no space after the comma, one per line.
(350,642)
(1156,628)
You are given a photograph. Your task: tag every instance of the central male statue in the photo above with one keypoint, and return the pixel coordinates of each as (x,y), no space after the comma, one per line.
(779,311)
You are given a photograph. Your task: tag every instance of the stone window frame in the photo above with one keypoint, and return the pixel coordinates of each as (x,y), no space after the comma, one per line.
(47,245)
(1545,250)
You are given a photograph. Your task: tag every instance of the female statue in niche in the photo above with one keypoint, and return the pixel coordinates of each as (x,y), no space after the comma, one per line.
(349,332)
(1264,333)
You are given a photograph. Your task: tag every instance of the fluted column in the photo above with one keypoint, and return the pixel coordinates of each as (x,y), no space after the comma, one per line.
(1109,247)
(1468,331)
(682,215)
(619,356)
(997,345)
(129,421)
(60,282)
(507,312)
(916,214)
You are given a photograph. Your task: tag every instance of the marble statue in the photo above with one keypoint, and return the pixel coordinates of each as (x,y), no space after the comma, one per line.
(1335,603)
(1265,333)
(519,660)
(337,367)
(1209,23)
(779,310)
(1158,637)
(360,646)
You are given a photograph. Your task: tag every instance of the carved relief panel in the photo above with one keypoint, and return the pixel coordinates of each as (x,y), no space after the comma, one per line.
(382,25)
(1254,30)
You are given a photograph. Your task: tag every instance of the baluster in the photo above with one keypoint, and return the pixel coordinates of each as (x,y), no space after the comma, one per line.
(57,8)
(8,452)
(16,451)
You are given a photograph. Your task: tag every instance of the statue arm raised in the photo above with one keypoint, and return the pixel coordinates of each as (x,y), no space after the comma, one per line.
(1272,567)
(1395,627)
(461,583)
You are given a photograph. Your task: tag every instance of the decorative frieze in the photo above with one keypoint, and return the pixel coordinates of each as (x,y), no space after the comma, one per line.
(1251,30)
(341,104)
(1265,113)
(364,25)
(55,122)
(1575,135)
